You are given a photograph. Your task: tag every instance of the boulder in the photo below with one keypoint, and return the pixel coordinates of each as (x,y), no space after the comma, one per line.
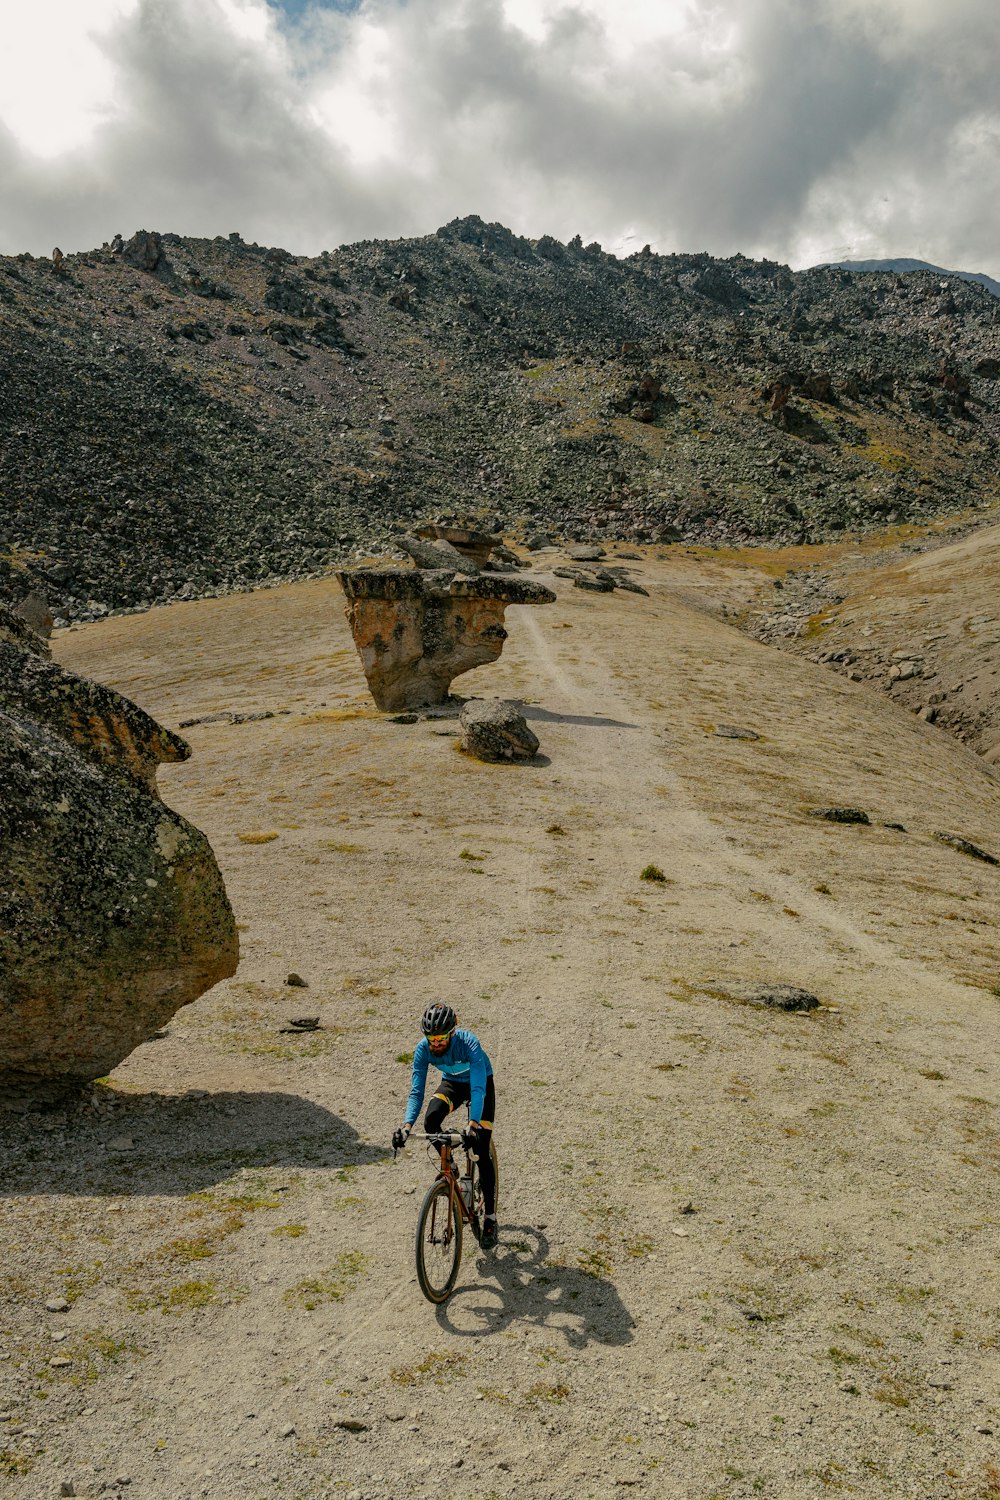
(840,814)
(966,846)
(495,730)
(417,629)
(34,611)
(474,545)
(436,554)
(113,912)
(773,996)
(144,251)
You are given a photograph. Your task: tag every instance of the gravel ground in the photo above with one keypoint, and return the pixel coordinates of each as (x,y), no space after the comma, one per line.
(743,1252)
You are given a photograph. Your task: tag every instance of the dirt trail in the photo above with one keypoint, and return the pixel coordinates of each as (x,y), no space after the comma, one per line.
(743,1253)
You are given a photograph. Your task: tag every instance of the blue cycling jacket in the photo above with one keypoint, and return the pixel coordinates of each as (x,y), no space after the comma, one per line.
(465,1061)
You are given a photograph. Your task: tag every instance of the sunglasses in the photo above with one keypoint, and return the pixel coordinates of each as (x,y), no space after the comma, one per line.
(437,1040)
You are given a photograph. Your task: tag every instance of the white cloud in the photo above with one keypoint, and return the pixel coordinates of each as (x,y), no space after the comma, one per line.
(766,126)
(56,84)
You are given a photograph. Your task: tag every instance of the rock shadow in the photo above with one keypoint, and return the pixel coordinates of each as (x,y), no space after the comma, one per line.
(594,721)
(153,1144)
(520,1285)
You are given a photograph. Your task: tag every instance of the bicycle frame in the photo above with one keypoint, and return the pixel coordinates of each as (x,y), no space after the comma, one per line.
(447,1141)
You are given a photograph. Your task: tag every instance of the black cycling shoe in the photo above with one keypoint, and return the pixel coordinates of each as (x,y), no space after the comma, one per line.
(489,1236)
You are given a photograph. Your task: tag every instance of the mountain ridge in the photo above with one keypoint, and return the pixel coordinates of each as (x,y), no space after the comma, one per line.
(182,417)
(902,265)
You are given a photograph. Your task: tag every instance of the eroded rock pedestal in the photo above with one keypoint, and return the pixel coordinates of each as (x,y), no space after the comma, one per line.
(113,912)
(417,629)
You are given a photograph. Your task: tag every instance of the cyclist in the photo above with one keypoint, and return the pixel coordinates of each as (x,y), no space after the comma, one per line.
(466,1078)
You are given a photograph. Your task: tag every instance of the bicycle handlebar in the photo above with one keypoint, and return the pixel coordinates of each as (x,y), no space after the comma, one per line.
(442,1138)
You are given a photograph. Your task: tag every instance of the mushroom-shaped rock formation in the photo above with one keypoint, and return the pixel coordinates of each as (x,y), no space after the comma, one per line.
(417,629)
(113,912)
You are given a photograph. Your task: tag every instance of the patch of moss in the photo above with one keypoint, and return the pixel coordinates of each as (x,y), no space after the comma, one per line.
(435,1368)
(331,1285)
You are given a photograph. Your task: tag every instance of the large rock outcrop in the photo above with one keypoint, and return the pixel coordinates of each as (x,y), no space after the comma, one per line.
(418,629)
(113,912)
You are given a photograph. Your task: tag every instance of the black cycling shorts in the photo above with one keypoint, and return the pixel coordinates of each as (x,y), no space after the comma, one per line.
(451,1095)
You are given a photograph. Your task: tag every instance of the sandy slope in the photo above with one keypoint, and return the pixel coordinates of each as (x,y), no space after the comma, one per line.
(942,607)
(824,1321)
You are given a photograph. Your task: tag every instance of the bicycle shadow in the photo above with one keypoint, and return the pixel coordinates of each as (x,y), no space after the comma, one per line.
(522,1286)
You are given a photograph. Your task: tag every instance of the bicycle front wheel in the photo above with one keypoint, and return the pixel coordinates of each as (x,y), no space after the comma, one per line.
(439,1242)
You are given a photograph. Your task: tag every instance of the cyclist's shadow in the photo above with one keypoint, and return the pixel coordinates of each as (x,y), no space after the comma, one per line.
(521,1285)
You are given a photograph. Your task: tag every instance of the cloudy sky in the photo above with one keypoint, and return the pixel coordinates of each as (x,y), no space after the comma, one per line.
(802,130)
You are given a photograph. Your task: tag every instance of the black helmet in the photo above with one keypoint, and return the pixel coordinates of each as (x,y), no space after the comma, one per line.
(437,1019)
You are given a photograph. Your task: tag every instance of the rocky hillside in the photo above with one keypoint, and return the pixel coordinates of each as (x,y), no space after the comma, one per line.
(905,263)
(181,417)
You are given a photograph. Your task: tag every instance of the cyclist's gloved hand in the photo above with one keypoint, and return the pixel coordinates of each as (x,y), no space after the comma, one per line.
(400,1137)
(469,1135)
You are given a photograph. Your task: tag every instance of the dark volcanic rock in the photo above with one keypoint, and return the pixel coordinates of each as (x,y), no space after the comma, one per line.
(144,251)
(840,814)
(206,414)
(965,846)
(113,913)
(774,996)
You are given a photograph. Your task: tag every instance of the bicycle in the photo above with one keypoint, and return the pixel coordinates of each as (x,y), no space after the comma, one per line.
(453,1199)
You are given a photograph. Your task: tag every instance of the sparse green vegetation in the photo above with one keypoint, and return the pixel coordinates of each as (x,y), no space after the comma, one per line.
(15,1464)
(595,1263)
(654,874)
(554,1394)
(331,1286)
(434,1369)
(181,1297)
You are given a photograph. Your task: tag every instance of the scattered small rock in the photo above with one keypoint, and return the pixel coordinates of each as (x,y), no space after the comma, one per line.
(774,996)
(965,846)
(840,814)
(296,982)
(57,1305)
(351,1424)
(593,583)
(734,732)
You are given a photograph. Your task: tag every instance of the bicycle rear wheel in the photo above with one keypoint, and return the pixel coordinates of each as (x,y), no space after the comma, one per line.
(439,1242)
